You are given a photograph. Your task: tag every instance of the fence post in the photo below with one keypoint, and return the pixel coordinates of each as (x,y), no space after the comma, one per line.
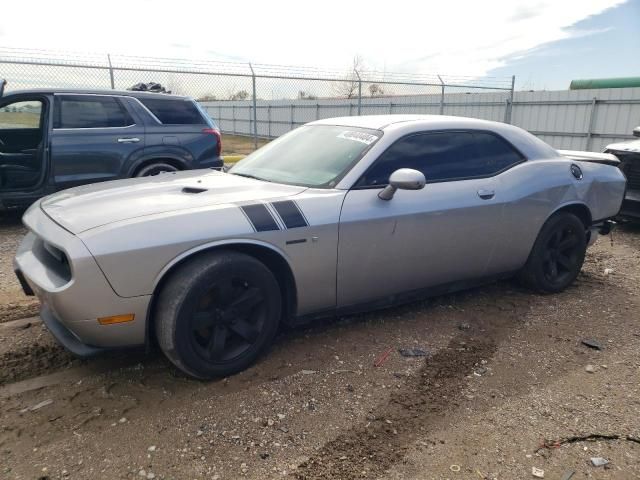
(113,84)
(317,111)
(441,95)
(592,117)
(255,109)
(269,120)
(233,115)
(509,106)
(291,116)
(359,92)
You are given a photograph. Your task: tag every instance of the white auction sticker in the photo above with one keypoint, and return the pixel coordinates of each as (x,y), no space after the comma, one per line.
(361,137)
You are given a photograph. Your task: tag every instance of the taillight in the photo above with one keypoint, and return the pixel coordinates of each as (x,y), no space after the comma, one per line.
(215,133)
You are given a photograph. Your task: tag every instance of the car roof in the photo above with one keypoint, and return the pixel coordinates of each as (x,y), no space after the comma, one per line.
(127,93)
(380,122)
(527,144)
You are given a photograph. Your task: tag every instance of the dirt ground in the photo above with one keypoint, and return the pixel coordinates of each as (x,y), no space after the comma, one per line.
(239,145)
(506,386)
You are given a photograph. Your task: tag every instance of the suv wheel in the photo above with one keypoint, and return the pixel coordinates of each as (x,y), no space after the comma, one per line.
(557,255)
(217,314)
(155,169)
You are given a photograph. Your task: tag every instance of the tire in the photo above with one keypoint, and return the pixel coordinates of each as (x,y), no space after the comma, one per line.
(217,314)
(557,255)
(155,168)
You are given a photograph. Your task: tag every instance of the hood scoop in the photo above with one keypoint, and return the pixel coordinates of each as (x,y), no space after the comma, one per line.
(193,190)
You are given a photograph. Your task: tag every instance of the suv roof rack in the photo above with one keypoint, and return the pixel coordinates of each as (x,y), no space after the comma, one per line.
(3,83)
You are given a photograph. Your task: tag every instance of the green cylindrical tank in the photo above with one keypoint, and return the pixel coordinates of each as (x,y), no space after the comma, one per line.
(621,82)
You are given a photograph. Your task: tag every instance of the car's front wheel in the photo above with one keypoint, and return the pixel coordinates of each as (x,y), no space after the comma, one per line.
(557,255)
(217,313)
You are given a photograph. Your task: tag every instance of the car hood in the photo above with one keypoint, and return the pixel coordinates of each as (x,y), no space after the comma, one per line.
(631,146)
(83,208)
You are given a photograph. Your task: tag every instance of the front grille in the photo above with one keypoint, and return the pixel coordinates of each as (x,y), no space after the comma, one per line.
(630,166)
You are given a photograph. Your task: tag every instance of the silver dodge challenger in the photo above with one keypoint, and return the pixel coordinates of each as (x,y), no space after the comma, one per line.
(338,216)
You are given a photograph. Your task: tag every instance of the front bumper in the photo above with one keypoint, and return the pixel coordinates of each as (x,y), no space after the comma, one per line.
(74,297)
(65,337)
(631,205)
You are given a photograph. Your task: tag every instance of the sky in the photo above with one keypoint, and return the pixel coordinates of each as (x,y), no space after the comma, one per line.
(544,43)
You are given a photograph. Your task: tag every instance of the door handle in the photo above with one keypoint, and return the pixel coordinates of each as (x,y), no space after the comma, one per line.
(129,140)
(486,194)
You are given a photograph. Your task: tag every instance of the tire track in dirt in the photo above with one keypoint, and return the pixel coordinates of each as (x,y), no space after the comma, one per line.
(371,448)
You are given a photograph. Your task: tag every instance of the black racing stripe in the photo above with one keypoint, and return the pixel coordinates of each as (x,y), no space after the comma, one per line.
(260,217)
(290,214)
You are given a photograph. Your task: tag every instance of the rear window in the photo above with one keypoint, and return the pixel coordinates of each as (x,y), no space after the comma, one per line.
(74,111)
(174,112)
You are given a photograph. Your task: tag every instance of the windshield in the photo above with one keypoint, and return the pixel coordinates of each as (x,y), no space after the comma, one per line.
(311,156)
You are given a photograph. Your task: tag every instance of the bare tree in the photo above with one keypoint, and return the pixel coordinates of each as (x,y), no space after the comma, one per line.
(375,90)
(239,95)
(348,87)
(302,95)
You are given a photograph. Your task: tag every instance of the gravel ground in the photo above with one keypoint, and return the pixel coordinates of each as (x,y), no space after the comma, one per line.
(13,303)
(506,386)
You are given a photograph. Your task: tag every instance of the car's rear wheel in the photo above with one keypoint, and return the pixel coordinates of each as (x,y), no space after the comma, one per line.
(557,255)
(156,169)
(217,313)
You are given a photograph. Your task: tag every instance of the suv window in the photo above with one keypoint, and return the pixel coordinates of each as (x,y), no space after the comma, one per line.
(444,156)
(90,112)
(21,115)
(174,112)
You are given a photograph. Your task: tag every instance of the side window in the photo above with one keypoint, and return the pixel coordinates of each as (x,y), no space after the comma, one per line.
(21,115)
(444,156)
(174,112)
(73,111)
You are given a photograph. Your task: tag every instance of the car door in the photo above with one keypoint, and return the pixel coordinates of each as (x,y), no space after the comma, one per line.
(445,233)
(92,139)
(23,126)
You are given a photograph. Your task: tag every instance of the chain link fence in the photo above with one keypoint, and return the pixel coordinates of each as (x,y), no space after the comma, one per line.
(261,100)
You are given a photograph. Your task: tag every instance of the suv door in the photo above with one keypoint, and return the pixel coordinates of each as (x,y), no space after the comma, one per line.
(23,138)
(442,234)
(94,138)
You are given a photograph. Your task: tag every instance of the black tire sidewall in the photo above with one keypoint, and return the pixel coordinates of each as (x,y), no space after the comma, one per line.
(142,172)
(534,270)
(236,264)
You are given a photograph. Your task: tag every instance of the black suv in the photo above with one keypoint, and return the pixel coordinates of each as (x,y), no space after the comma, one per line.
(55,139)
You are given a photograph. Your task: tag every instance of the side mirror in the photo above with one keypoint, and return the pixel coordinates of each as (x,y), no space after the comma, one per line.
(636,132)
(403,179)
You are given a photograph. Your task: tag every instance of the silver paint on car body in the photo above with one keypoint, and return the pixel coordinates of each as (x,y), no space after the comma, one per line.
(123,237)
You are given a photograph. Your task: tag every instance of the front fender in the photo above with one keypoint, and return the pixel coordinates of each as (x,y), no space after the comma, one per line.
(229,242)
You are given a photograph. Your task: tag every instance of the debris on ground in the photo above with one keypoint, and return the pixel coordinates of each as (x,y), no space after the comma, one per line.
(479,371)
(599,461)
(413,352)
(464,326)
(592,344)
(537,472)
(308,372)
(590,369)
(383,358)
(568,475)
(37,406)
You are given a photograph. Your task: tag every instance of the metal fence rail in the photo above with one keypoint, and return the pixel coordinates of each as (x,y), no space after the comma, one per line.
(266,101)
(244,88)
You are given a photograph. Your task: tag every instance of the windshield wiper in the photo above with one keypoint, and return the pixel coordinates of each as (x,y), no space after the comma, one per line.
(248,175)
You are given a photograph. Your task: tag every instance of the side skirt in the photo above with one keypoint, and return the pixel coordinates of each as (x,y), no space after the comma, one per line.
(399,299)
